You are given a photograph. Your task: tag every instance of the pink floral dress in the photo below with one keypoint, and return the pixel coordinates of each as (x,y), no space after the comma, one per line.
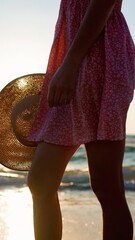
(105,84)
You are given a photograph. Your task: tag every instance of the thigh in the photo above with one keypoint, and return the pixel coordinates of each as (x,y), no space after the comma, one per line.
(49,164)
(105,164)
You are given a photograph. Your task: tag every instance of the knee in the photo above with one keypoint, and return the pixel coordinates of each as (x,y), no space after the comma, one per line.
(105,192)
(102,195)
(40,185)
(34,182)
(98,188)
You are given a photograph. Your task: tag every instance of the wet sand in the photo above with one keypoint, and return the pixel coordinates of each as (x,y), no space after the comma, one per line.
(81,214)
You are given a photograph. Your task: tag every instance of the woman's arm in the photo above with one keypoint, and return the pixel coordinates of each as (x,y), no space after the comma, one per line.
(92,25)
(63,83)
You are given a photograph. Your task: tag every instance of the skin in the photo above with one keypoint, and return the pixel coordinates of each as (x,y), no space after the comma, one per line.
(105,168)
(104,157)
(105,160)
(63,83)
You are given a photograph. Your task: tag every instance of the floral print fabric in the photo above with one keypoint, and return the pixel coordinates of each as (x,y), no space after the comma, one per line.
(105,84)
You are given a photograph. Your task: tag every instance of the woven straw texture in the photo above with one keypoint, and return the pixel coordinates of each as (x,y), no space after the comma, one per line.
(18,104)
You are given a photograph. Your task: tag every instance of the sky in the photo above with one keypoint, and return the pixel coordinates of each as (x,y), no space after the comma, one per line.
(26,35)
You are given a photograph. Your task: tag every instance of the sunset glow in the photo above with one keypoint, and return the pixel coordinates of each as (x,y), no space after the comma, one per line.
(27,30)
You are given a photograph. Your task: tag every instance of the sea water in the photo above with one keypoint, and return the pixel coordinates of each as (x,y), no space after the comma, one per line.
(76,176)
(80,207)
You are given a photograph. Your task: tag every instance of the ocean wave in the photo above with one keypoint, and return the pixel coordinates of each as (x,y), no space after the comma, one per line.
(76,176)
(72,179)
(130,148)
(79,180)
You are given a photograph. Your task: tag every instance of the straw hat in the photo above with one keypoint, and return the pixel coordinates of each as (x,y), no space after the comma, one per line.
(18,104)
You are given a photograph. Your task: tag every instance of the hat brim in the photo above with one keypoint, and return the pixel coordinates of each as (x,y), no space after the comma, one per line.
(18,104)
(22,117)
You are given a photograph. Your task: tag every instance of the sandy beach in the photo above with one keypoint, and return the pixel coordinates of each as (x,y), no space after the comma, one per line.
(81,213)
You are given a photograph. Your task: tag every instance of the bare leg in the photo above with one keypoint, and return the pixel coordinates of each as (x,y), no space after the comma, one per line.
(44,179)
(105,166)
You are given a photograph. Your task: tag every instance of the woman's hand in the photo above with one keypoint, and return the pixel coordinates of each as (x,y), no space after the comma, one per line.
(62,85)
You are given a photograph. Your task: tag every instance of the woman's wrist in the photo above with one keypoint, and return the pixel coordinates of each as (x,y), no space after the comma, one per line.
(72,60)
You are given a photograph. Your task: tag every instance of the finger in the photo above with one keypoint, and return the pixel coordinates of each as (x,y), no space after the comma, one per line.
(50,97)
(56,99)
(65,99)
